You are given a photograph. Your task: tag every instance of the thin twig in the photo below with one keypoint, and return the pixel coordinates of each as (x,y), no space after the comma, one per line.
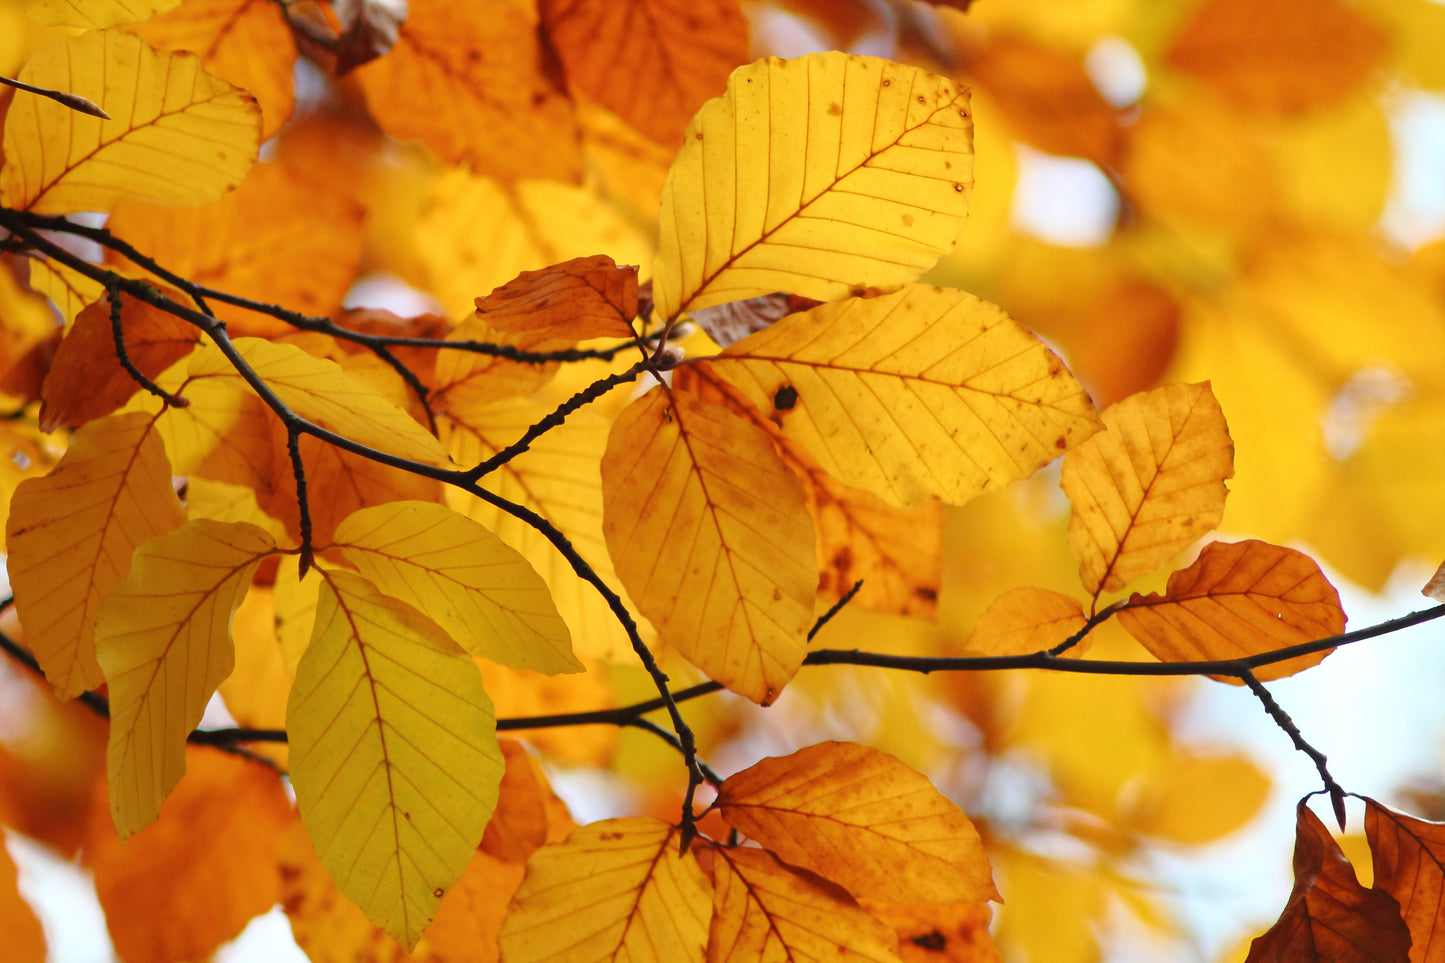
(65,99)
(1093,622)
(303,503)
(1282,719)
(117,332)
(648,725)
(836,607)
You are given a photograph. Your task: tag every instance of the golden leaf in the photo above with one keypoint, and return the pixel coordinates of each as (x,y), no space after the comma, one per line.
(1239,599)
(482,593)
(70,536)
(68,289)
(766,910)
(393,754)
(1200,798)
(956,933)
(586,297)
(1408,855)
(256,690)
(177,134)
(710,535)
(923,393)
(820,176)
(615,889)
(467,380)
(94,13)
(1026,619)
(1148,486)
(862,819)
(163,640)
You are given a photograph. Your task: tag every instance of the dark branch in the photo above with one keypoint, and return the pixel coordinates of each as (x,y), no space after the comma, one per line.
(117,332)
(1282,719)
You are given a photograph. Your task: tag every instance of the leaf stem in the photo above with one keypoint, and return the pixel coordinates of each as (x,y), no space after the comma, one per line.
(1282,719)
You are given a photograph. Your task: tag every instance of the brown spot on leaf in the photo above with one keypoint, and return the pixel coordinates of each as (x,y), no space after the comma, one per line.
(785,398)
(926,593)
(437,892)
(958,187)
(1061,443)
(835,109)
(888,83)
(907,220)
(934,941)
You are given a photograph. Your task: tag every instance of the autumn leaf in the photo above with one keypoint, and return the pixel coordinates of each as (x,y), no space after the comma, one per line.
(368,30)
(70,536)
(766,910)
(393,754)
(94,13)
(1435,588)
(710,536)
(177,134)
(1409,863)
(859,817)
(614,889)
(163,640)
(483,594)
(923,393)
(1239,599)
(821,176)
(68,289)
(25,938)
(586,297)
(529,814)
(1148,486)
(464,381)
(956,933)
(735,320)
(1025,620)
(1330,915)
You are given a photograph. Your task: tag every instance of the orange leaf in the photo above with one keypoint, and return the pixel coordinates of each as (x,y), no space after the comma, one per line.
(528,813)
(710,535)
(1408,856)
(1148,486)
(86,380)
(586,297)
(679,53)
(1026,619)
(466,380)
(765,910)
(957,933)
(859,817)
(1239,599)
(1330,916)
(24,939)
(464,78)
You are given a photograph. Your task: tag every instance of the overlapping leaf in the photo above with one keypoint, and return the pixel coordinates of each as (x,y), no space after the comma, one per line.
(177,134)
(923,393)
(163,640)
(394,757)
(956,933)
(1027,619)
(710,535)
(820,176)
(1409,864)
(1148,486)
(586,297)
(482,593)
(1239,599)
(70,536)
(859,817)
(94,13)
(617,889)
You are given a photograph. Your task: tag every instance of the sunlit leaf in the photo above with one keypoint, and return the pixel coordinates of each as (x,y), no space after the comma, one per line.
(467,380)
(821,176)
(25,940)
(923,393)
(163,640)
(255,692)
(586,297)
(528,813)
(393,754)
(1409,861)
(482,593)
(862,819)
(68,289)
(177,134)
(94,13)
(1148,486)
(518,693)
(615,889)
(70,536)
(1201,798)
(1239,599)
(710,535)
(766,910)
(1025,620)
(956,933)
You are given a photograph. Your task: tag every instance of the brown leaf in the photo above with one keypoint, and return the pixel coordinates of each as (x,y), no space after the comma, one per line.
(368,30)
(1409,862)
(1435,588)
(1330,916)
(586,297)
(735,320)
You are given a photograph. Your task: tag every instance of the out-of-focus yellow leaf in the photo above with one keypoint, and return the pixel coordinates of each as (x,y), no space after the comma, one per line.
(94,13)
(1414,29)
(393,754)
(820,176)
(1239,599)
(86,380)
(70,536)
(296,601)
(615,889)
(586,297)
(1051,911)
(629,167)
(519,693)
(1027,619)
(245,42)
(923,393)
(1278,56)
(1351,142)
(463,79)
(206,866)
(255,692)
(24,939)
(763,910)
(1407,856)
(1148,486)
(862,819)
(163,640)
(68,289)
(320,391)
(177,134)
(1330,916)
(956,933)
(680,54)
(482,593)
(1200,798)
(711,536)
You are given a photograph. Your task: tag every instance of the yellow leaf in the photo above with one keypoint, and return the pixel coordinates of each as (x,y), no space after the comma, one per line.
(1026,619)
(177,134)
(710,535)
(1239,599)
(614,890)
(70,536)
(765,910)
(94,13)
(1148,486)
(478,590)
(68,289)
(862,819)
(519,694)
(923,393)
(320,391)
(163,640)
(24,939)
(225,502)
(820,176)
(296,601)
(255,692)
(394,757)
(1199,798)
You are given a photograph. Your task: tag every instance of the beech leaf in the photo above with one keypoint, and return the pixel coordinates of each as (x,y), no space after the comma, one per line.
(1025,620)
(94,13)
(586,297)
(1409,864)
